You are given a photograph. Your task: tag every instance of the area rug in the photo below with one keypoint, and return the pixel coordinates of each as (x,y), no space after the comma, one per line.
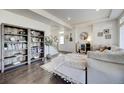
(50,66)
(69,74)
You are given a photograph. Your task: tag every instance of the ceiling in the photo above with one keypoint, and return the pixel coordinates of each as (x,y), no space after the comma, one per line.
(31,15)
(79,15)
(35,16)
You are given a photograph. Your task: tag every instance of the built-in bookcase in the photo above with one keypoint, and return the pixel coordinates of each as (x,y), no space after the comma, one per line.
(20,46)
(37,45)
(14,46)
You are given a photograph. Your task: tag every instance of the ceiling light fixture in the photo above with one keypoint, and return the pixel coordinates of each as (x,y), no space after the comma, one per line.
(97,10)
(68,18)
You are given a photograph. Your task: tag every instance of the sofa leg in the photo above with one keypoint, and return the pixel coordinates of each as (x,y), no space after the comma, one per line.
(86,75)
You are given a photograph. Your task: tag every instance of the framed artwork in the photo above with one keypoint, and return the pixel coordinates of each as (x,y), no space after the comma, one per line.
(108,36)
(67,37)
(70,39)
(100,34)
(83,35)
(106,31)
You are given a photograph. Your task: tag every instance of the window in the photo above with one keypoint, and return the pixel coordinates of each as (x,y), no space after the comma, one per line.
(61,40)
(121,19)
(61,37)
(122,37)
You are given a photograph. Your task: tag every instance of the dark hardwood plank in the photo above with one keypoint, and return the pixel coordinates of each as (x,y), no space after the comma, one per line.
(30,74)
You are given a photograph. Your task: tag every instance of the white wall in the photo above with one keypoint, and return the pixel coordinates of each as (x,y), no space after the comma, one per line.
(99,27)
(93,30)
(11,18)
(120,29)
(79,29)
(122,37)
(68,46)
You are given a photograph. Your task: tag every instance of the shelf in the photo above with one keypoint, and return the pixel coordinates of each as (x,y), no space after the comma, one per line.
(12,65)
(20,45)
(39,52)
(38,42)
(37,36)
(23,55)
(9,57)
(36,46)
(15,34)
(40,45)
(15,42)
(36,59)
(14,56)
(15,50)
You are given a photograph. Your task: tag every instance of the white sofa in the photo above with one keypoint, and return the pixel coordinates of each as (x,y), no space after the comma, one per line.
(105,67)
(70,67)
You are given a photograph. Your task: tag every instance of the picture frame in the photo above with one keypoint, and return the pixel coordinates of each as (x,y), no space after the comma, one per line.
(70,39)
(108,36)
(66,37)
(100,34)
(106,31)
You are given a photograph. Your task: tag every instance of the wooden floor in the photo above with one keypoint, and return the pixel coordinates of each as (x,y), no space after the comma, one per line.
(29,74)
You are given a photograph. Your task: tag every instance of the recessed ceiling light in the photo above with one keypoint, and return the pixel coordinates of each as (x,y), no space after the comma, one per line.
(97,10)
(62,32)
(68,18)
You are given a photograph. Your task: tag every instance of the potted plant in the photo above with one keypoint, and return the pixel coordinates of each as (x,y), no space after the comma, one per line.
(48,43)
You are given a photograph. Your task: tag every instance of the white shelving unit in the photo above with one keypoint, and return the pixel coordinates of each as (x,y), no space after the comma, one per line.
(37,45)
(16,45)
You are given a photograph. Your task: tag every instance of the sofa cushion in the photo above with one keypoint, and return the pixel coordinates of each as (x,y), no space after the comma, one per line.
(76,60)
(109,56)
